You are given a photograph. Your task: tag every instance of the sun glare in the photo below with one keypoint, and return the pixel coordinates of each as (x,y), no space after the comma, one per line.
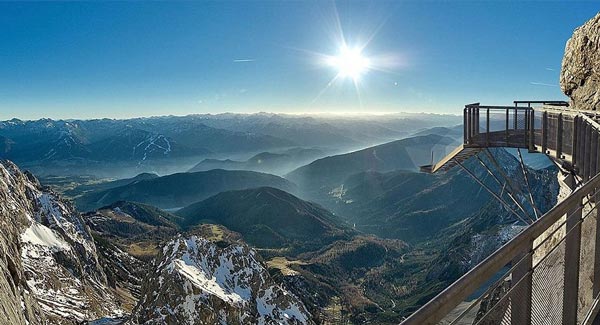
(350,63)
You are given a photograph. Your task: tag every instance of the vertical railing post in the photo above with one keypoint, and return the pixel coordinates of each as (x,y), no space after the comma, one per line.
(580,146)
(522,274)
(587,152)
(571,274)
(476,128)
(596,275)
(594,153)
(506,127)
(487,127)
(559,140)
(531,130)
(544,132)
(465,125)
(516,115)
(575,151)
(470,123)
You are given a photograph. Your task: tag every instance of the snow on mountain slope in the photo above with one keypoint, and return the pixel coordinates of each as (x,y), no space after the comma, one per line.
(194,281)
(58,255)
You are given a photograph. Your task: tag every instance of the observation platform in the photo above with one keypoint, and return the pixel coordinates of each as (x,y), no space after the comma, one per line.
(550,272)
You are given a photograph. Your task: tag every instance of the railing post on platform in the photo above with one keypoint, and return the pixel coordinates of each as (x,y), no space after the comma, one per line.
(476,126)
(587,152)
(521,310)
(544,132)
(487,127)
(593,153)
(559,140)
(516,115)
(571,275)
(506,128)
(581,146)
(531,130)
(596,278)
(526,129)
(465,125)
(596,150)
(575,153)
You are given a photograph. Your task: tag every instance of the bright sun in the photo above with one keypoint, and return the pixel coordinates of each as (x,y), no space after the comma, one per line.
(350,63)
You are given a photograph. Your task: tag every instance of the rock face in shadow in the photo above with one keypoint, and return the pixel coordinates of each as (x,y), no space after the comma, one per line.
(580,74)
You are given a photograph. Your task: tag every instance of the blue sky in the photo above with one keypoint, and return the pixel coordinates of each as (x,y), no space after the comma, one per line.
(87,60)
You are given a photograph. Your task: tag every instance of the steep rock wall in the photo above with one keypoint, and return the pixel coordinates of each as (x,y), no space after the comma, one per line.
(580,73)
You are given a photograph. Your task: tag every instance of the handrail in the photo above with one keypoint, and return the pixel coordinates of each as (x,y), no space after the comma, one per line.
(497,107)
(436,309)
(544,102)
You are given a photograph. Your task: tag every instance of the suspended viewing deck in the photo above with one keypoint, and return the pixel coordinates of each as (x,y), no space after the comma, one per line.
(550,272)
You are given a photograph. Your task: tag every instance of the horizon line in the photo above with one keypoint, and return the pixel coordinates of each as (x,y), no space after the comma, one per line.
(294,114)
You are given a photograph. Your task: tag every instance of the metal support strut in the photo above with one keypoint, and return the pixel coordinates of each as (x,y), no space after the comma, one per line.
(506,205)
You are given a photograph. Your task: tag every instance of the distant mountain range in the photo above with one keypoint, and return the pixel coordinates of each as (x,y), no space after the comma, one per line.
(181,189)
(168,142)
(122,140)
(406,154)
(279,162)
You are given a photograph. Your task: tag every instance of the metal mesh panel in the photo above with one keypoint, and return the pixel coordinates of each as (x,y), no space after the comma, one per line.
(547,288)
(567,135)
(538,128)
(586,262)
(552,127)
(521,122)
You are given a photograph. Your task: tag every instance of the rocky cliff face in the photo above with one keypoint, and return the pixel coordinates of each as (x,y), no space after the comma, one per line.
(580,74)
(50,260)
(195,281)
(19,305)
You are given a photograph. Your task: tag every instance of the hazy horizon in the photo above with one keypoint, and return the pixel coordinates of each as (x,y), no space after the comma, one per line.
(343,115)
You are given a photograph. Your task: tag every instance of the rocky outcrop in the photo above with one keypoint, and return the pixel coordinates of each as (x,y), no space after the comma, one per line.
(580,74)
(50,263)
(196,281)
(17,303)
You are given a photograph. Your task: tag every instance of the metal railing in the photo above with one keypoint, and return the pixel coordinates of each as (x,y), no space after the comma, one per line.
(497,126)
(542,275)
(568,136)
(550,272)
